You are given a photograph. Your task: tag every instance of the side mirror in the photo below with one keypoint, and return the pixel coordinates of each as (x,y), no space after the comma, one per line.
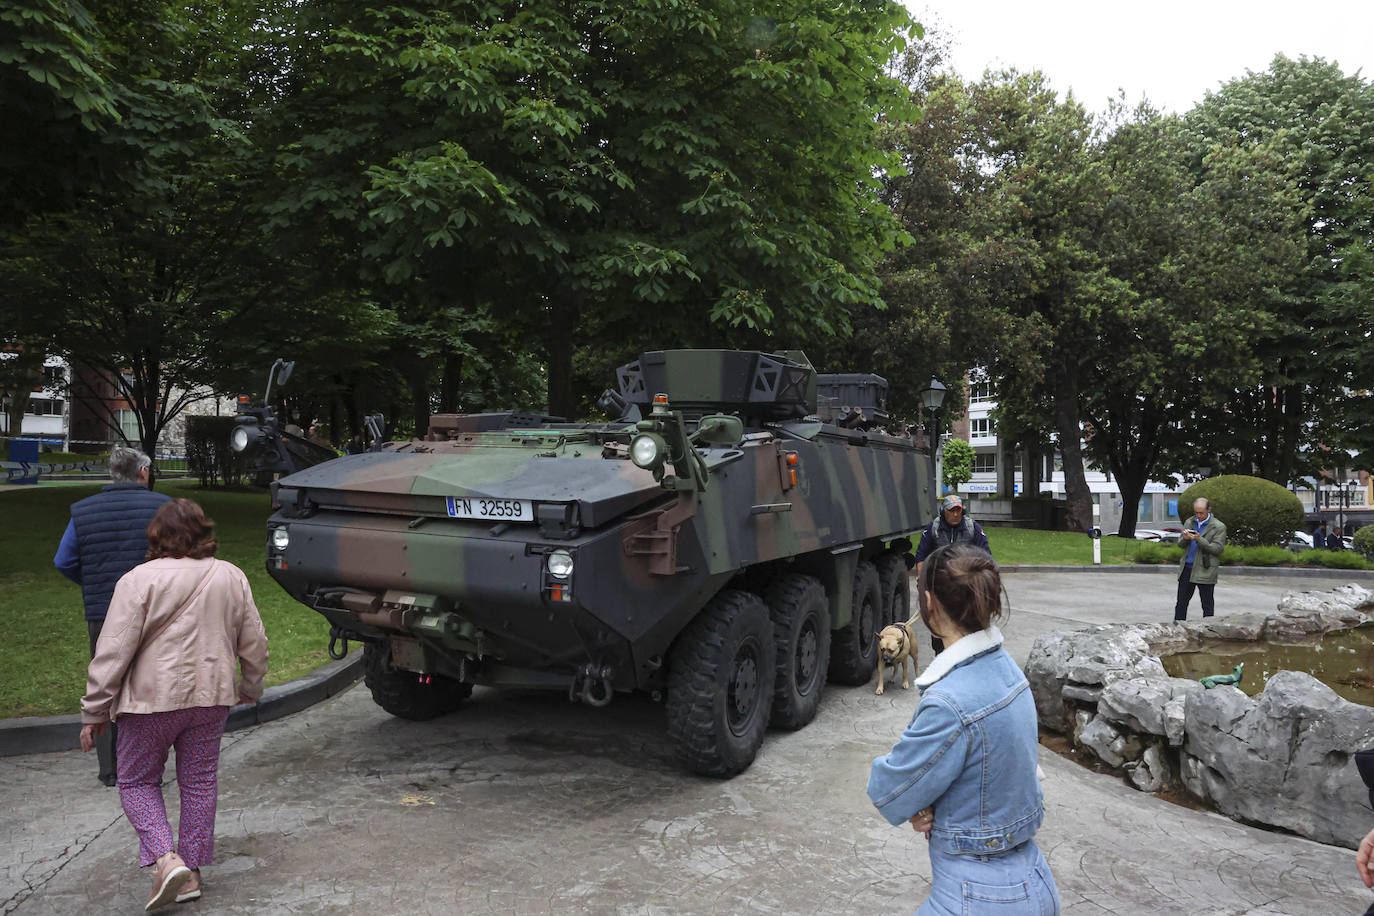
(278,374)
(284,368)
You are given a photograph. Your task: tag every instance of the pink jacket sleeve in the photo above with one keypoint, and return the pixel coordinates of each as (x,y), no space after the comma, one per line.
(252,646)
(114,651)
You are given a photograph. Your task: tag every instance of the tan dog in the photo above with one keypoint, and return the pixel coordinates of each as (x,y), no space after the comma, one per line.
(896,647)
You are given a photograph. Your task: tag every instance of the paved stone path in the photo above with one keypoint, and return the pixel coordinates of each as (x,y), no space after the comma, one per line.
(522,803)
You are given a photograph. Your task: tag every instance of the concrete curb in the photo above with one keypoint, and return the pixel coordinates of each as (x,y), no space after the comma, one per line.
(42,734)
(1279,571)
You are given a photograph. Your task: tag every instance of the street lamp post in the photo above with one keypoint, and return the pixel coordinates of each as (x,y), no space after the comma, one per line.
(931,398)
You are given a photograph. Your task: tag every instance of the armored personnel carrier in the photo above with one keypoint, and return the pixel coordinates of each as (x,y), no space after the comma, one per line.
(717,545)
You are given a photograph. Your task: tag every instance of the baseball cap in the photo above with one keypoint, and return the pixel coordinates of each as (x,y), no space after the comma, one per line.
(952,502)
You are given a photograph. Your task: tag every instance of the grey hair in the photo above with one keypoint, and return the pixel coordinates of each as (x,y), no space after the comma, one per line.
(125,463)
(1207,503)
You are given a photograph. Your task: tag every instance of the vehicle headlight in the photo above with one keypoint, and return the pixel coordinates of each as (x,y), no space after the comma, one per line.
(281,539)
(238,439)
(560,564)
(646,450)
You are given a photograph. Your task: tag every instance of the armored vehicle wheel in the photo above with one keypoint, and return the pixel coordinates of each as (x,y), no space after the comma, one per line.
(720,684)
(801,627)
(896,586)
(402,694)
(854,648)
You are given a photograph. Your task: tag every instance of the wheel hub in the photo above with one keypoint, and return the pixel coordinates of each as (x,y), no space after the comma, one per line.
(806,654)
(744,691)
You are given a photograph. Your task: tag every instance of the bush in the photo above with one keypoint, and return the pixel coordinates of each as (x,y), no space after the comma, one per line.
(1256,512)
(1256,556)
(1364,540)
(1335,559)
(1155,552)
(208,455)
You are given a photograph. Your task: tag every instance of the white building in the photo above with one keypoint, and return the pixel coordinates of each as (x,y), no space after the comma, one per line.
(1158,505)
(48,410)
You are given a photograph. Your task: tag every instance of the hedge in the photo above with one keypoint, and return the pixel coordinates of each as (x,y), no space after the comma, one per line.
(208,455)
(1257,512)
(1154,552)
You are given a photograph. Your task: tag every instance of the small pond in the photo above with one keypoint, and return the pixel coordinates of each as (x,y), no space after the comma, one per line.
(1342,660)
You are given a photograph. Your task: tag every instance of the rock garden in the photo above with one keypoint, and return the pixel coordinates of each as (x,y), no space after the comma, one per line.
(1283,758)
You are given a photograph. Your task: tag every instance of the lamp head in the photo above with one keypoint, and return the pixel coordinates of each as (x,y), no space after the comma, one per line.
(933,395)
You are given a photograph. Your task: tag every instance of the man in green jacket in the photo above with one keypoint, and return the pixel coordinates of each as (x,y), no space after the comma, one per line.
(1204,536)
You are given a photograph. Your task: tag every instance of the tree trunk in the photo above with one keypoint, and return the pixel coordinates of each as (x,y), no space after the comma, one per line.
(1132,487)
(1066,420)
(417,375)
(448,387)
(1030,469)
(1006,465)
(558,340)
(23,373)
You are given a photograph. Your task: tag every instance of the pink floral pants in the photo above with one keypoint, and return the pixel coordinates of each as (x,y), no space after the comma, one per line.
(144,739)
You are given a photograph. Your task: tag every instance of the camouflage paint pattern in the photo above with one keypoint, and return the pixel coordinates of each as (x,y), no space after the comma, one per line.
(374,548)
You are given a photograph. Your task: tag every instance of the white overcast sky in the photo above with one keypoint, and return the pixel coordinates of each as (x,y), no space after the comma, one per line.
(1168,51)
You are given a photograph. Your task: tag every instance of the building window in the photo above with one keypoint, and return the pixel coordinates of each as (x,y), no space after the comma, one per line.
(128,425)
(980,392)
(985,464)
(981,428)
(45,407)
(54,376)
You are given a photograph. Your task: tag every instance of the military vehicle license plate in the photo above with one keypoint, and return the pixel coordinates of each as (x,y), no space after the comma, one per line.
(508,510)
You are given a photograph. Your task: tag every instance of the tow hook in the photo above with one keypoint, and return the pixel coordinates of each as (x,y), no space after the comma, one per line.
(338,638)
(592,685)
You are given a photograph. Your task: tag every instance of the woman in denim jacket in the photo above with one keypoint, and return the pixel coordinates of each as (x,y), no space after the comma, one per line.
(964,771)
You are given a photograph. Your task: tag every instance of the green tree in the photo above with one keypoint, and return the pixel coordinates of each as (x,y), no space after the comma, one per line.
(1313,121)
(957,466)
(575,167)
(1195,262)
(144,278)
(57,98)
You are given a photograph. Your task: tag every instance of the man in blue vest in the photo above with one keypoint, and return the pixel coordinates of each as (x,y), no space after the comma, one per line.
(951,526)
(106,537)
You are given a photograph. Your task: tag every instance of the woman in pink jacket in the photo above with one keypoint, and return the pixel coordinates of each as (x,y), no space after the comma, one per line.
(179,629)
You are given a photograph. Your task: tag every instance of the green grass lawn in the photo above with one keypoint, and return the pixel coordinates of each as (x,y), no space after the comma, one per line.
(44,652)
(1057,548)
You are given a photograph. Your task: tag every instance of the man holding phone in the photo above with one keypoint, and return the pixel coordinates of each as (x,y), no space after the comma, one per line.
(1203,540)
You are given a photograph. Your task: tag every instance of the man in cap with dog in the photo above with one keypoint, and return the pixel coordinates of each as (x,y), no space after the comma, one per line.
(951,526)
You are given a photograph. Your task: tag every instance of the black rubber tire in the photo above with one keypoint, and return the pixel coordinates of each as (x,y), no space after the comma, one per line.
(720,684)
(801,628)
(896,585)
(854,646)
(401,693)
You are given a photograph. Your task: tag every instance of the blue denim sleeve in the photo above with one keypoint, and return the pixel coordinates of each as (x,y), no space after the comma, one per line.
(68,560)
(922,765)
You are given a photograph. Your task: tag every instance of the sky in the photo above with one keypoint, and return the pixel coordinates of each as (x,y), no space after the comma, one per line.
(1168,51)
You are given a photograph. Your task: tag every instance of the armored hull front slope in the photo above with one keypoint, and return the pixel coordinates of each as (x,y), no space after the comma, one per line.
(726,551)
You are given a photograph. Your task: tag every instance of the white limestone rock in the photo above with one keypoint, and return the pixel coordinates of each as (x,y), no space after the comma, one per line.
(1282,759)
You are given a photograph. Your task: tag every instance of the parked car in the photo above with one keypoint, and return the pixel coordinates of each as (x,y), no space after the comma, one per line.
(1298,541)
(1150,534)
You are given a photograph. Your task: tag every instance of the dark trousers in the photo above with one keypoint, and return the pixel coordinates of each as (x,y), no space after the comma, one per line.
(104,743)
(1185,595)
